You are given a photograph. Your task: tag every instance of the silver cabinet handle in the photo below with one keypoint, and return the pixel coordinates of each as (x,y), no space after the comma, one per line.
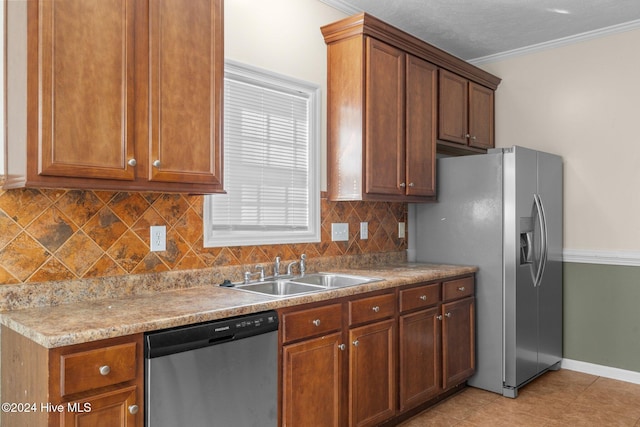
(133,409)
(448,314)
(461,288)
(132,162)
(156,163)
(375,308)
(423,297)
(439,317)
(342,347)
(316,322)
(403,185)
(355,343)
(105,370)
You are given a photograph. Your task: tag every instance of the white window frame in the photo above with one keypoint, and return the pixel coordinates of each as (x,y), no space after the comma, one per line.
(271,80)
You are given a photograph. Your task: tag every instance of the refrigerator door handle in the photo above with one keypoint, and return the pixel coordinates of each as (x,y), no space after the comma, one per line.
(543,240)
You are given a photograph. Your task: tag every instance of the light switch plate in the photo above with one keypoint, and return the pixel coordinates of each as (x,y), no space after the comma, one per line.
(339,231)
(401,230)
(158,238)
(364,230)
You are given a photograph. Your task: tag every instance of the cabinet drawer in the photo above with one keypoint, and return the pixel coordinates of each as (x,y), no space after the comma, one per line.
(458,288)
(421,296)
(97,368)
(372,308)
(314,321)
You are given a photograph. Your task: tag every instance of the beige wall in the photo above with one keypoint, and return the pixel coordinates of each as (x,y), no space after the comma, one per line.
(282,36)
(582,101)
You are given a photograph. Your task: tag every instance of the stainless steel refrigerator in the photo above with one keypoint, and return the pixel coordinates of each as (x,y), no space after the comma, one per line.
(502,211)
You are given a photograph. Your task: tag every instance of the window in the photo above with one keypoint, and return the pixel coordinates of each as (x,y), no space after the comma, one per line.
(271,156)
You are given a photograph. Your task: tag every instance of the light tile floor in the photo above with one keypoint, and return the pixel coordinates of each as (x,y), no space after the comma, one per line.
(557,399)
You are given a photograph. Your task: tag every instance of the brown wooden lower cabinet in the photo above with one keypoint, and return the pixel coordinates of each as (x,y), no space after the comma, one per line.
(369,359)
(372,376)
(106,409)
(311,385)
(92,384)
(420,357)
(458,343)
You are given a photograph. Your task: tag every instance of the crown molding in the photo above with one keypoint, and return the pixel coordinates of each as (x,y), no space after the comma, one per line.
(602,32)
(342,6)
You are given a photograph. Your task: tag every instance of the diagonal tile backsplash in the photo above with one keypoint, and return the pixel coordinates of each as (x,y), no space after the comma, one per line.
(48,235)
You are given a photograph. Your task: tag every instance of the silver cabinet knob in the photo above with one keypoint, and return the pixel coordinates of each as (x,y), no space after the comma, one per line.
(316,322)
(423,297)
(105,370)
(355,343)
(411,184)
(473,138)
(342,347)
(132,162)
(461,288)
(467,136)
(439,317)
(133,409)
(375,309)
(403,185)
(156,163)
(448,314)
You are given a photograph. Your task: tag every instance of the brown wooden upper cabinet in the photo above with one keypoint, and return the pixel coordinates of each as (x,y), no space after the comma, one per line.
(465,112)
(382,110)
(122,95)
(381,122)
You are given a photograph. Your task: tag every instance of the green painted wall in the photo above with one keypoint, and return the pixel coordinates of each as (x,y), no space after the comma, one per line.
(602,315)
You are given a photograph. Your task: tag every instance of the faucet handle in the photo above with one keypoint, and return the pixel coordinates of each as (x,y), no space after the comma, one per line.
(303,264)
(276,267)
(260,268)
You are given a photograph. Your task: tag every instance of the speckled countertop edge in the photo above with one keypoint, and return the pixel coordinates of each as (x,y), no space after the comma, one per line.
(107,318)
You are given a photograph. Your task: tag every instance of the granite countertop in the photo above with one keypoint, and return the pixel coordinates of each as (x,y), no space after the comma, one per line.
(107,318)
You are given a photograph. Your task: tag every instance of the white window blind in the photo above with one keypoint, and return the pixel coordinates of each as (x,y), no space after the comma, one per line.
(270,162)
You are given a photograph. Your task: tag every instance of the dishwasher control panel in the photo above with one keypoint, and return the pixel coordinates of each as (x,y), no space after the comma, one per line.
(176,340)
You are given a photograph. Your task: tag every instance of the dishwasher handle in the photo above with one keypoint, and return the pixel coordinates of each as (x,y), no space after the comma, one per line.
(177,340)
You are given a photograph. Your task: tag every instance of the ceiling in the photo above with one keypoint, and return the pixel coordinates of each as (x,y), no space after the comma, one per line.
(475,29)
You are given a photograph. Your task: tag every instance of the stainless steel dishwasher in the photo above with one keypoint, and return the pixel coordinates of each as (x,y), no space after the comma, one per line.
(221,373)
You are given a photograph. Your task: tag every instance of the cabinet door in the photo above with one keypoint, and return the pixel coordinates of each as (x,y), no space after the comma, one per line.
(372,379)
(452,108)
(421,113)
(458,337)
(481,105)
(185,66)
(312,382)
(113,409)
(419,357)
(384,135)
(86,98)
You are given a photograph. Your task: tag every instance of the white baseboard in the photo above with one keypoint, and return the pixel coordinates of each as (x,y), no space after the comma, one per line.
(601,371)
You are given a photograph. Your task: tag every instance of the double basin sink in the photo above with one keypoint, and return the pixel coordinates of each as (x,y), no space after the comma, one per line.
(314,282)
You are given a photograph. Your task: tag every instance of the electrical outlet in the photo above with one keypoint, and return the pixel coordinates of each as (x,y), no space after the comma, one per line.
(364,230)
(339,231)
(158,238)
(401,230)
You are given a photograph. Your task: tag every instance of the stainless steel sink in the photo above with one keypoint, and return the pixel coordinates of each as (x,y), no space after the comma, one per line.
(334,280)
(314,282)
(279,288)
